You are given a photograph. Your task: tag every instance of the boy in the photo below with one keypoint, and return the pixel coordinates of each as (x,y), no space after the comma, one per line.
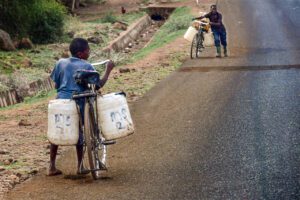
(65,85)
(217,28)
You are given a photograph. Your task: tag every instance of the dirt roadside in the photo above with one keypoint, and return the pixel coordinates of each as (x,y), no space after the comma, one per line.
(24,147)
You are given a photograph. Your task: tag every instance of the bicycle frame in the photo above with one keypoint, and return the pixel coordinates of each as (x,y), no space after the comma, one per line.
(96,141)
(197,43)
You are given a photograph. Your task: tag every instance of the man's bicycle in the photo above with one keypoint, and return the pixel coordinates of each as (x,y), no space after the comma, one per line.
(197,45)
(94,142)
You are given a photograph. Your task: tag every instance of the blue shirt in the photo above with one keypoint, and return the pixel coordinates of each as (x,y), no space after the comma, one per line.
(62,75)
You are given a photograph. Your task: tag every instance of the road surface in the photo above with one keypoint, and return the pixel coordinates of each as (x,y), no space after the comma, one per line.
(215,129)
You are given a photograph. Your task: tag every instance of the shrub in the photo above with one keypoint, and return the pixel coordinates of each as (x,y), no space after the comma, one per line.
(47,21)
(14,16)
(41,20)
(179,20)
(109,17)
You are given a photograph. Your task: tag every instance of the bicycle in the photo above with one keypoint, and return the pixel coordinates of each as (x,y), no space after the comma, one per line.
(94,142)
(197,43)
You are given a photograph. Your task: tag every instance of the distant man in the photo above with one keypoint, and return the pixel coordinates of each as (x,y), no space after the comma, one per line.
(217,28)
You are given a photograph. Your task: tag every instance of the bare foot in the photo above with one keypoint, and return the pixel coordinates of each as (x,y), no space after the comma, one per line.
(82,171)
(54,172)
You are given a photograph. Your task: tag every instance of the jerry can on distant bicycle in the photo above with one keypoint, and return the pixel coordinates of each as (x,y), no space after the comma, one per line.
(190,33)
(113,116)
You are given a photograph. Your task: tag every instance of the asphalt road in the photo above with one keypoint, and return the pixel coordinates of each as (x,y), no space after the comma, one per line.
(211,133)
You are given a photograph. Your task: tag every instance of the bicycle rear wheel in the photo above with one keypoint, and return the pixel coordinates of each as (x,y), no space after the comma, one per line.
(95,149)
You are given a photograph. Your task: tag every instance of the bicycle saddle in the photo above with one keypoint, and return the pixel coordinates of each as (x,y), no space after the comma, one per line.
(85,77)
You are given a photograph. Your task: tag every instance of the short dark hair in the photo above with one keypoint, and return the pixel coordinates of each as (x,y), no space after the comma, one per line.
(78,45)
(213,6)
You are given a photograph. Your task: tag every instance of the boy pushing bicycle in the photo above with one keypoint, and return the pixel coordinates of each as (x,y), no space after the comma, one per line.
(66,85)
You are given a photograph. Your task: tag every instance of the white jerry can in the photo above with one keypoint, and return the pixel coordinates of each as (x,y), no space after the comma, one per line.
(209,39)
(113,116)
(63,122)
(190,33)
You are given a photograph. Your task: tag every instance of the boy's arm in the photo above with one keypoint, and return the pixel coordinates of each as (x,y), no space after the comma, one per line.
(109,66)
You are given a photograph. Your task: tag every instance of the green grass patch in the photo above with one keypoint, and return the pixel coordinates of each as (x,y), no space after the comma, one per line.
(41,95)
(172,29)
(110,17)
(14,165)
(141,81)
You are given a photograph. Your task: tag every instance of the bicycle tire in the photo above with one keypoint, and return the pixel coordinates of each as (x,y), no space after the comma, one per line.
(92,143)
(200,40)
(194,47)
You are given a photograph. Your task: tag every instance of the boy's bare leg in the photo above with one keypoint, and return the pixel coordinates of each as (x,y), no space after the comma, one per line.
(52,168)
(80,168)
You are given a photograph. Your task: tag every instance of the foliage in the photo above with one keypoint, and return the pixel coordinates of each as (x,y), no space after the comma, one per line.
(145,1)
(41,20)
(47,21)
(179,20)
(109,17)
(174,27)
(128,17)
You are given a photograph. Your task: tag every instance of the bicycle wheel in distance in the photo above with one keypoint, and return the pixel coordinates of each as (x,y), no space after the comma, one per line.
(95,150)
(200,46)
(194,46)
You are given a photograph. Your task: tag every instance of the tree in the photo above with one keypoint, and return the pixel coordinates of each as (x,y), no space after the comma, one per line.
(40,20)
(71,4)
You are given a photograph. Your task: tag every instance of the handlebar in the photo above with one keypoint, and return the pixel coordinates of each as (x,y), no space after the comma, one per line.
(100,63)
(201,22)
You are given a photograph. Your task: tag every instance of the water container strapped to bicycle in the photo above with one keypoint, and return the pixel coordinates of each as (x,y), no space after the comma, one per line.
(85,77)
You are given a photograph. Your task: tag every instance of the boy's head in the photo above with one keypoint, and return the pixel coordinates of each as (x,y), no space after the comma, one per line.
(79,48)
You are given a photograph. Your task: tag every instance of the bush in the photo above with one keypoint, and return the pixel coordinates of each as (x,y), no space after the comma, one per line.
(41,20)
(14,16)
(109,17)
(47,21)
(179,20)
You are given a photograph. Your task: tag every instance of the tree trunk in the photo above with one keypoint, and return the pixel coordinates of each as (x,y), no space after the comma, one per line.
(73,6)
(77,2)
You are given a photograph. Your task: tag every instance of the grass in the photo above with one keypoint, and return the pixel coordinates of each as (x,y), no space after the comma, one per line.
(138,82)
(173,28)
(110,17)
(14,165)
(42,58)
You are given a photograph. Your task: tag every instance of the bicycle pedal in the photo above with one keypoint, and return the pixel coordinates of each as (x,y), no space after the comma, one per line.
(109,142)
(102,167)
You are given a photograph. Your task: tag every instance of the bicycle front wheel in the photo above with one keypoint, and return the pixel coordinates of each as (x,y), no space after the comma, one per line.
(194,47)
(200,46)
(95,149)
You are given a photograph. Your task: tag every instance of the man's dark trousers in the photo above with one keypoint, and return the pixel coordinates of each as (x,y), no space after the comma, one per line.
(220,38)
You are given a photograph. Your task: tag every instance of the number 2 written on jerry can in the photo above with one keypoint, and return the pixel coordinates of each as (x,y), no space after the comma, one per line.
(119,118)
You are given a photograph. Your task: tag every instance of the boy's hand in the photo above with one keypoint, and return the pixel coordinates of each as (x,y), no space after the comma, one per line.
(110,65)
